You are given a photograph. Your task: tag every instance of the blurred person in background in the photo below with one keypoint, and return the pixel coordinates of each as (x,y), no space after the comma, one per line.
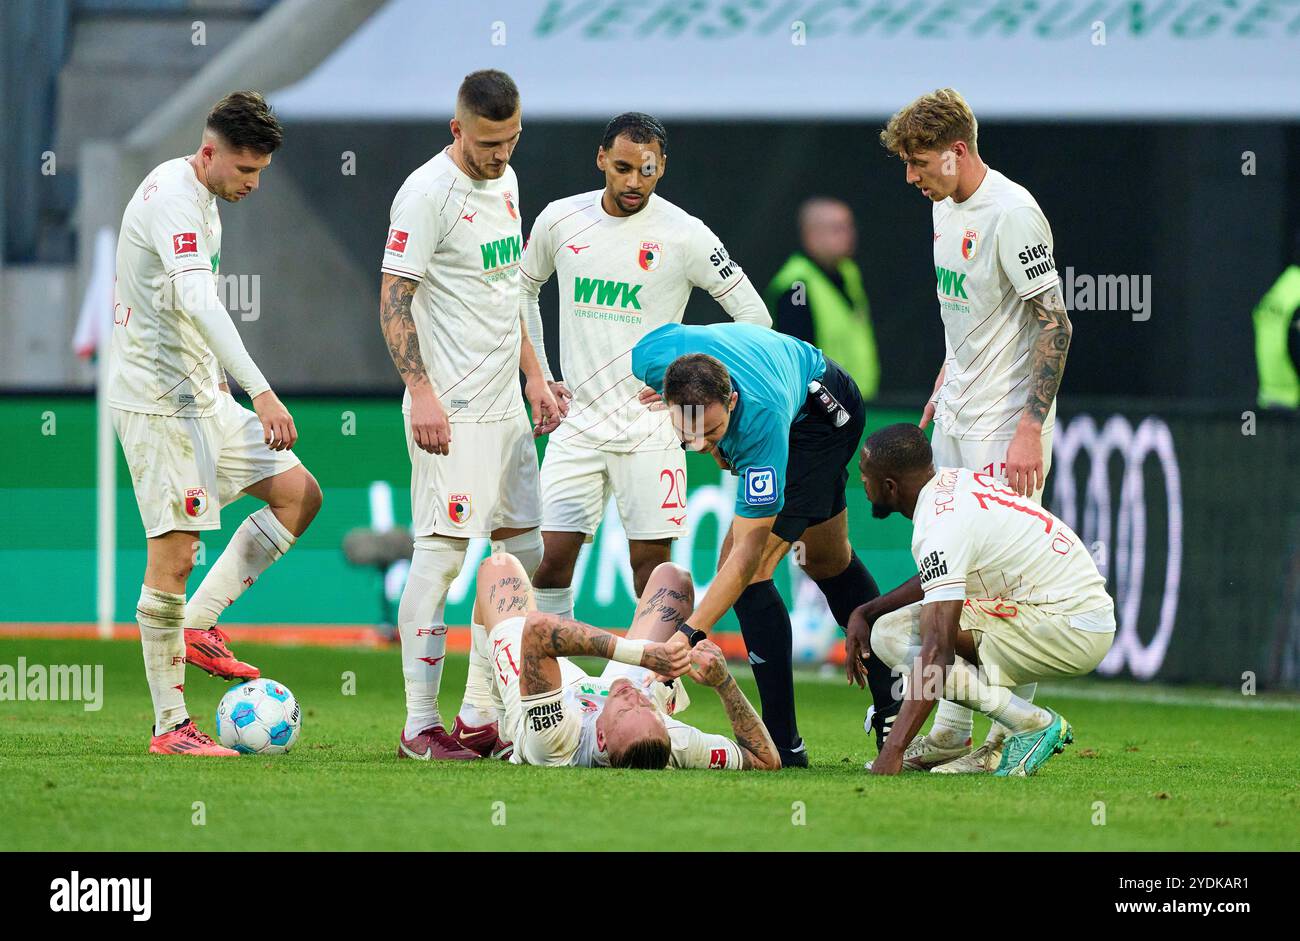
(818,297)
(1277,337)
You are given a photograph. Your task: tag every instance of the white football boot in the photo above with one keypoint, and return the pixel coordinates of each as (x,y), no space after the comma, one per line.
(924,754)
(983,760)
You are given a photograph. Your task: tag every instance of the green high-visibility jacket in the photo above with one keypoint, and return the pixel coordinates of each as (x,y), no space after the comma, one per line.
(1278,383)
(842,326)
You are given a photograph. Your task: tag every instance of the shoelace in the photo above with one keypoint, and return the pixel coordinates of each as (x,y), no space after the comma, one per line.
(219,634)
(916,748)
(190,731)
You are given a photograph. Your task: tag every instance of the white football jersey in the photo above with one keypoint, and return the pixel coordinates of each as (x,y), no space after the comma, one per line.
(159,363)
(974,537)
(991,253)
(461,240)
(586,698)
(619,278)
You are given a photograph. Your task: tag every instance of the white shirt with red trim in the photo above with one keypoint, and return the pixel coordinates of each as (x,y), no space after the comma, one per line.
(619,278)
(461,239)
(159,363)
(585,699)
(991,253)
(973,537)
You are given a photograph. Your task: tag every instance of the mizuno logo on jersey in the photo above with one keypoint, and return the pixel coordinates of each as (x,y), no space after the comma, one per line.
(606,293)
(501,252)
(951,284)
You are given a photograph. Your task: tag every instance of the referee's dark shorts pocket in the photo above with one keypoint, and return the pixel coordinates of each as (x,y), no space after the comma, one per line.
(820,455)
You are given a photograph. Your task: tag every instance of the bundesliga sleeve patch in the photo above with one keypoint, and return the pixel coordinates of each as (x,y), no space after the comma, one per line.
(760,486)
(396,242)
(185,244)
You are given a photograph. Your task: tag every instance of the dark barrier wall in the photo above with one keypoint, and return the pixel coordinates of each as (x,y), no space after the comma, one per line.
(1194,517)
(1164,201)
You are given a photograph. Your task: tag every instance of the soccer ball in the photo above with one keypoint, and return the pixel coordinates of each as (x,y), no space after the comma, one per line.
(260,717)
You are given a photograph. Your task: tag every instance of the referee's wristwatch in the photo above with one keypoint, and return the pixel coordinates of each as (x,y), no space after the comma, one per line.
(692,635)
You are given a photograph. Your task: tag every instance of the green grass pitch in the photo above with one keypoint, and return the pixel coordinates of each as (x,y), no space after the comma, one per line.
(1203,771)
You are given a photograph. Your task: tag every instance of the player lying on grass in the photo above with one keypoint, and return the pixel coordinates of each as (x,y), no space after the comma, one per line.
(557,715)
(1007,595)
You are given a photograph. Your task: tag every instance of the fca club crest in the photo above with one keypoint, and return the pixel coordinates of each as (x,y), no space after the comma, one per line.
(649,256)
(196,501)
(458,508)
(968,244)
(510,204)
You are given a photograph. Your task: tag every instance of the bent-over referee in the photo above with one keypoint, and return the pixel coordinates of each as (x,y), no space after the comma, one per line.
(787,420)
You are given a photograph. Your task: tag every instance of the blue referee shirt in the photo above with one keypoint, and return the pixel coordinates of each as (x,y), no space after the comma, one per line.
(771,372)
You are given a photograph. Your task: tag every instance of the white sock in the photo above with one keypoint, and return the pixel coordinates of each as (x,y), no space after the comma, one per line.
(436,563)
(259,541)
(998,731)
(160,615)
(478,709)
(965,685)
(1020,715)
(952,725)
(526,547)
(555,601)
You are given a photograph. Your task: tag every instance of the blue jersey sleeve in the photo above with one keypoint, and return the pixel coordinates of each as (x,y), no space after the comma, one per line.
(761,468)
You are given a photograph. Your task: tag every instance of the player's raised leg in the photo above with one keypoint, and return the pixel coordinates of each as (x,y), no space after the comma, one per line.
(476,725)
(292,498)
(159,613)
(667,600)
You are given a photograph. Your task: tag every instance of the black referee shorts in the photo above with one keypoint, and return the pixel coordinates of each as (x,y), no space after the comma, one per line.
(816,473)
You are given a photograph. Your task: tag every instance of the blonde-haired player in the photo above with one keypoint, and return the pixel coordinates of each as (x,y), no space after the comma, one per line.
(556,715)
(1006,336)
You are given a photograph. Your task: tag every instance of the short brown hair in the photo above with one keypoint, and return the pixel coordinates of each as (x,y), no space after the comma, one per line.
(648,754)
(244,120)
(697,379)
(932,122)
(488,93)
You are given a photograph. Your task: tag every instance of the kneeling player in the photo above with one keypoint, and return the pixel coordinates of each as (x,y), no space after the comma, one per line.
(557,715)
(1008,595)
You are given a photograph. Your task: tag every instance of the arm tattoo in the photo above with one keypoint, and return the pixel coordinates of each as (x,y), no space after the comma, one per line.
(751,734)
(1047,359)
(398,326)
(532,679)
(564,638)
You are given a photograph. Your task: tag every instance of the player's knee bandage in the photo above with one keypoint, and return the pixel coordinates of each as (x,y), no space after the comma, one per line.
(526,547)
